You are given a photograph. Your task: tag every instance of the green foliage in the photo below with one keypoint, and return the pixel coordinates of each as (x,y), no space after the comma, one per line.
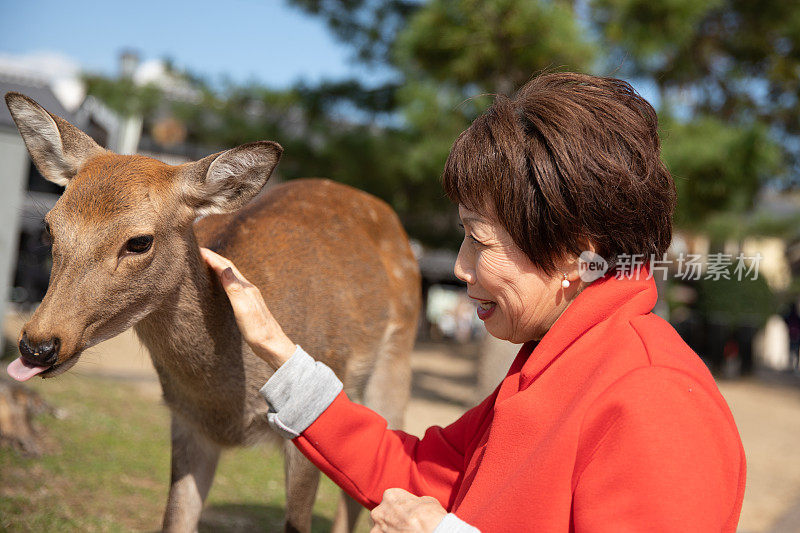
(233,117)
(730,67)
(452,54)
(736,60)
(652,31)
(369,26)
(328,96)
(123,95)
(736,302)
(717,167)
(106,468)
(435,116)
(493,45)
(729,225)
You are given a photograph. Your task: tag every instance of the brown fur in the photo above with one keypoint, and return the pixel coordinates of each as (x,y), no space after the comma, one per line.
(332,262)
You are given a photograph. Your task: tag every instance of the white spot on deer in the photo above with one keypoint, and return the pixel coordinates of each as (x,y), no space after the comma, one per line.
(386,246)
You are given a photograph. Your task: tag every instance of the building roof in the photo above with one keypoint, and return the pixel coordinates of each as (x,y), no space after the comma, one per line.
(31,87)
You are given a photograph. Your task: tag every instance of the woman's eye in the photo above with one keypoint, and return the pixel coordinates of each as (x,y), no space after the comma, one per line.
(470,236)
(139,245)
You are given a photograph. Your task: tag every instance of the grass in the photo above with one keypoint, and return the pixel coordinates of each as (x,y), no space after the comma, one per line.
(106,468)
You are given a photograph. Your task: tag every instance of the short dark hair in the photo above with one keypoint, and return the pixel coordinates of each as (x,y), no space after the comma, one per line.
(569,158)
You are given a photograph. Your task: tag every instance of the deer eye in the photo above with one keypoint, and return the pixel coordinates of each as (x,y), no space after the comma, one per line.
(139,245)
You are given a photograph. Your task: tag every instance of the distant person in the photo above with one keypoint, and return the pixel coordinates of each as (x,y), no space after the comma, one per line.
(792,319)
(606,420)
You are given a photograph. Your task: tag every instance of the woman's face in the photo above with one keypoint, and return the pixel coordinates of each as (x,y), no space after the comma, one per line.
(516,301)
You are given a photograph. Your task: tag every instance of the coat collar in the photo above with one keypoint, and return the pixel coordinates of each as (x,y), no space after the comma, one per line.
(606,296)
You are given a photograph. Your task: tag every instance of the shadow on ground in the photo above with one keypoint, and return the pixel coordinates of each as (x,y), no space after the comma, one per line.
(445,373)
(234,518)
(420,390)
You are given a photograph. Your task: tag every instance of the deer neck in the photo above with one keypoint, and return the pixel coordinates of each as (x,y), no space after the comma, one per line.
(193,330)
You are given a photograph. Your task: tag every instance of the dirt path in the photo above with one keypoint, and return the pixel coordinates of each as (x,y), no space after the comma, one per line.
(768,417)
(766,409)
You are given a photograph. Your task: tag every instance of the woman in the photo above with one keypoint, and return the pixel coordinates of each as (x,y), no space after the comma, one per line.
(606,420)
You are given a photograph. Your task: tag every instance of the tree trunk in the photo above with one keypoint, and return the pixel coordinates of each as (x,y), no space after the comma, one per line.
(18,406)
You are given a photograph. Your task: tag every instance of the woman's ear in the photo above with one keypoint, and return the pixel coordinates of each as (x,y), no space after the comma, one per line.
(589,265)
(226,181)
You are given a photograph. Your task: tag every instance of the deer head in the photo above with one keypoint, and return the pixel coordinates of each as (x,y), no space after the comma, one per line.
(121,232)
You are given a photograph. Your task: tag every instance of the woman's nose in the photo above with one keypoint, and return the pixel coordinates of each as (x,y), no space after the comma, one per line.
(462,269)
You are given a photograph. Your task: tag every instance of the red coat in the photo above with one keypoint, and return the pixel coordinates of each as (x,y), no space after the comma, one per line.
(611,423)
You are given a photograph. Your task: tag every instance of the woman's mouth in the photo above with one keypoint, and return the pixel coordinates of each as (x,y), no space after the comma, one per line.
(486,309)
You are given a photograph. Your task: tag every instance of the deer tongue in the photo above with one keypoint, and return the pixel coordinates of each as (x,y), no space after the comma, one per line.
(21,371)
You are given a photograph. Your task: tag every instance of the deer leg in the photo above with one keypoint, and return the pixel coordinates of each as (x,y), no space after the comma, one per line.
(194,461)
(302,478)
(389,386)
(386,392)
(346,514)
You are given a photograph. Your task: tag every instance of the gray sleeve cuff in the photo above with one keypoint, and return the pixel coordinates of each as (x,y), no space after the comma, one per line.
(453,524)
(298,392)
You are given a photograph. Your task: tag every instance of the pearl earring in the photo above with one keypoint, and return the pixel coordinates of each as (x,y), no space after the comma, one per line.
(565,281)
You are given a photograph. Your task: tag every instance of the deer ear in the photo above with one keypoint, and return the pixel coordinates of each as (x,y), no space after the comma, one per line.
(58,148)
(224,182)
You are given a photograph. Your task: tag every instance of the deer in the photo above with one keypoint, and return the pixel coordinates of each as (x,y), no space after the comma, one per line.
(333,263)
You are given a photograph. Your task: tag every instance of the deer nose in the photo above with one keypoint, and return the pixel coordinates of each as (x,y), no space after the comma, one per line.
(43,353)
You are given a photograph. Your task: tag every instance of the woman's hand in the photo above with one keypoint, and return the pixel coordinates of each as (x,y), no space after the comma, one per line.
(402,511)
(259,328)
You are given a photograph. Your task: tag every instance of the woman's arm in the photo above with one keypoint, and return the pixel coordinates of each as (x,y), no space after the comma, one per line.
(353,446)
(347,441)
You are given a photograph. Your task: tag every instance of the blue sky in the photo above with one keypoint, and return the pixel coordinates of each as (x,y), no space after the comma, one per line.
(246,40)
(266,41)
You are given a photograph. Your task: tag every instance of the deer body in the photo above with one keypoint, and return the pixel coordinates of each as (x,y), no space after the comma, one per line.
(209,375)
(332,263)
